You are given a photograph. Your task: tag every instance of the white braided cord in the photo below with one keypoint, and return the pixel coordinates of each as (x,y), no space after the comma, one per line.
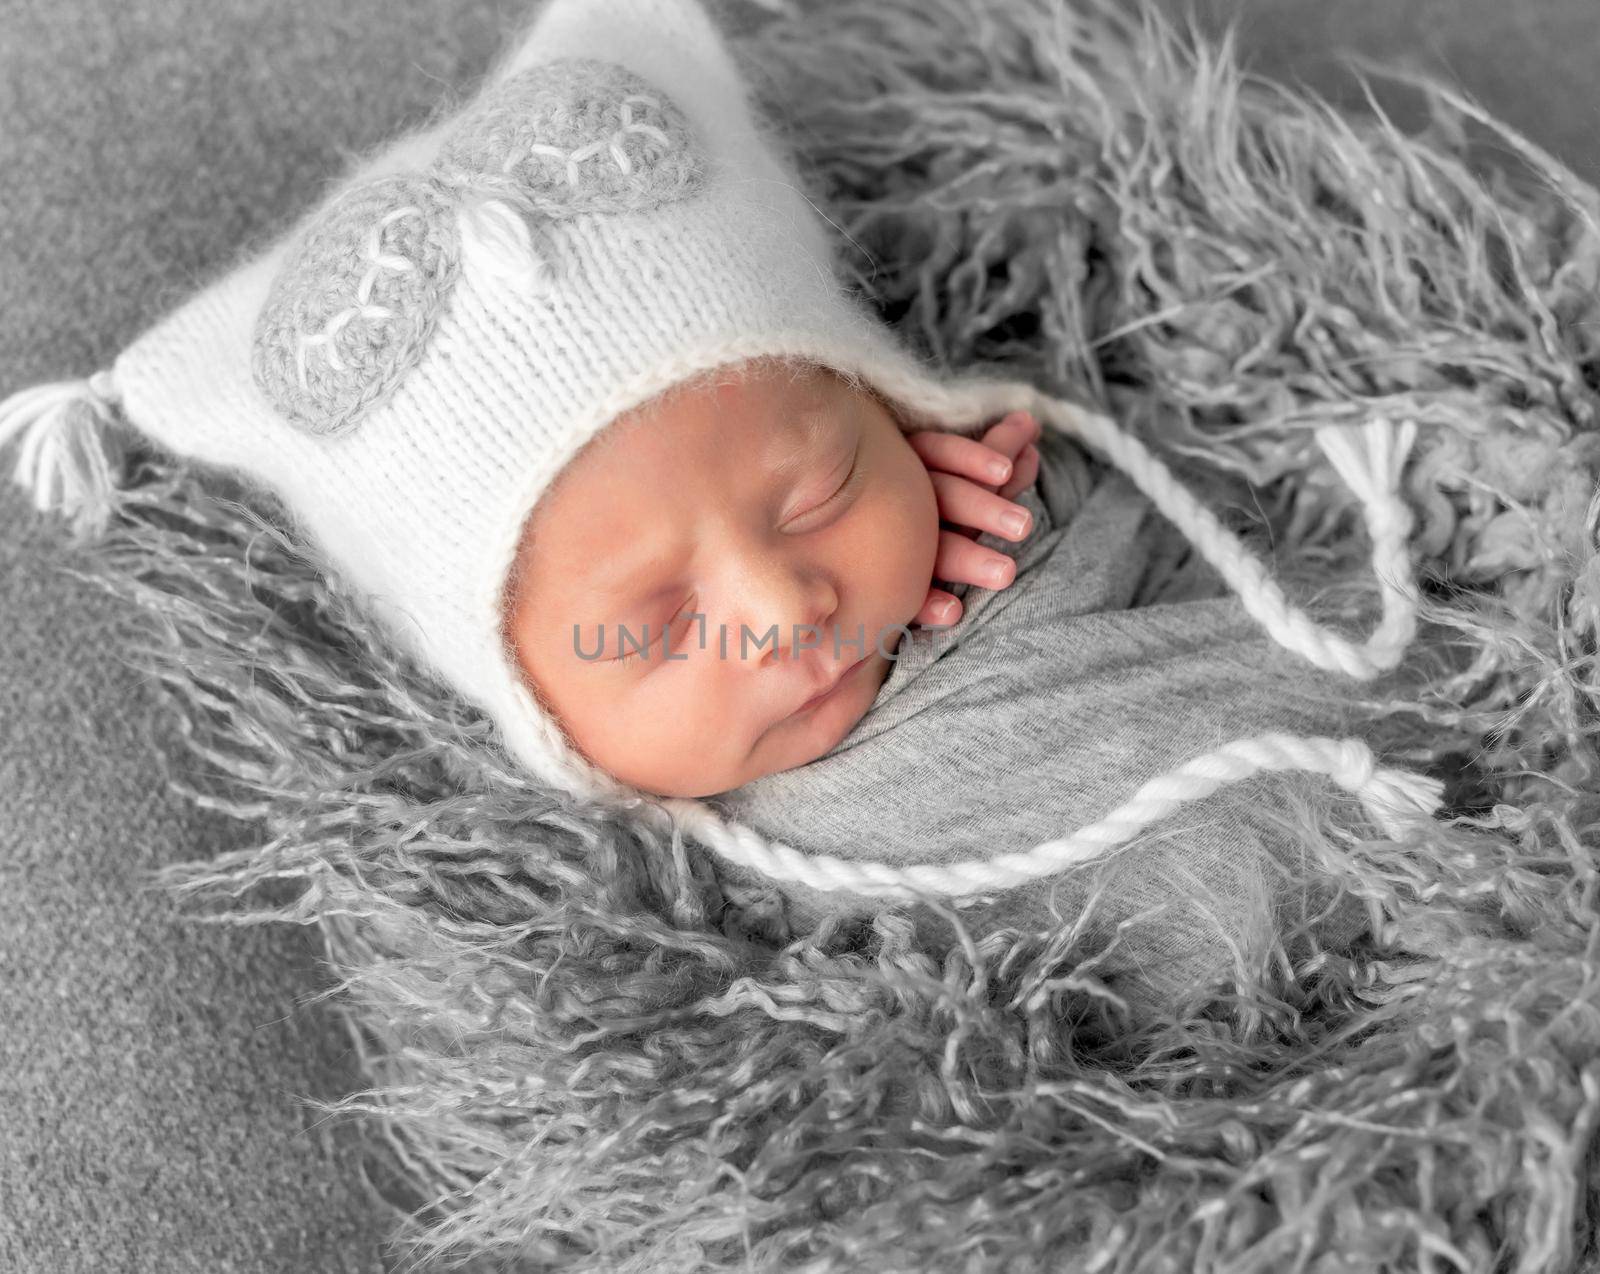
(1369,459)
(1388,795)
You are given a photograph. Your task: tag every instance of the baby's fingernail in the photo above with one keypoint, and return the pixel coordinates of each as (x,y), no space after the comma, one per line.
(1015,523)
(998,469)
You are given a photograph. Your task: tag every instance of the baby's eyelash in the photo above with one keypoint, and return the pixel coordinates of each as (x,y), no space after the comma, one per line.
(850,483)
(637,652)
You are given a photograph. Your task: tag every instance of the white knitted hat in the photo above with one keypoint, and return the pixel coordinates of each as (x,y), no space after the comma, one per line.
(410,368)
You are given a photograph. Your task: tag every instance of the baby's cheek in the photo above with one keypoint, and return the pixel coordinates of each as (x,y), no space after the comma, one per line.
(674,737)
(912,529)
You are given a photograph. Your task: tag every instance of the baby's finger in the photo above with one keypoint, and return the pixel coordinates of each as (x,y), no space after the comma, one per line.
(963,561)
(1012,433)
(1024,473)
(968,505)
(965,457)
(940,610)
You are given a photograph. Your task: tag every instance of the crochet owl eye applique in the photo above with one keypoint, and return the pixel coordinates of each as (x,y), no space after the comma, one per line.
(572,137)
(355,302)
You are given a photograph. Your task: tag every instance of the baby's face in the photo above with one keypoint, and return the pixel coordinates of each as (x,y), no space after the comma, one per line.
(772,498)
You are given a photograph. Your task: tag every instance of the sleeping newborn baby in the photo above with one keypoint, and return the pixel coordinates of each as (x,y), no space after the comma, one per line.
(567,391)
(1079,649)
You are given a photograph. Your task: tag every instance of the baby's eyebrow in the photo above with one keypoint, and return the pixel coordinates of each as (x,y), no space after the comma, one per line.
(812,427)
(622,587)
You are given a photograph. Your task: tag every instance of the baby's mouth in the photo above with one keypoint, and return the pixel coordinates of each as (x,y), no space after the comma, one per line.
(838,684)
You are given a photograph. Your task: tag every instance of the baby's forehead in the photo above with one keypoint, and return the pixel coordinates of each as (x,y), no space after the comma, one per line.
(795,407)
(794,399)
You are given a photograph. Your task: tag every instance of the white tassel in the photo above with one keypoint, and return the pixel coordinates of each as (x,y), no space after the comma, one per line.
(497,243)
(62,460)
(1389,796)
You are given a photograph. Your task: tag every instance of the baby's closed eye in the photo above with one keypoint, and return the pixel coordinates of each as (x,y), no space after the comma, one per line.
(653,641)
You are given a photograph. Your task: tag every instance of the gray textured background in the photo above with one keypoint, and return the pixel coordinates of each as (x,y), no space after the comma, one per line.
(150,1069)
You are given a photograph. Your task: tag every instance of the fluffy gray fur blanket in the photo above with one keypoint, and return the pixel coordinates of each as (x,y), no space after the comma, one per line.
(590,1049)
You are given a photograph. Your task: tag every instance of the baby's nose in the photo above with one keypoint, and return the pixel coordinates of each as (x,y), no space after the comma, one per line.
(785,614)
(801,635)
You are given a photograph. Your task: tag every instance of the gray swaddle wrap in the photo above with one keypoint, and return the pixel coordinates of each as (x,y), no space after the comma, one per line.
(1114,655)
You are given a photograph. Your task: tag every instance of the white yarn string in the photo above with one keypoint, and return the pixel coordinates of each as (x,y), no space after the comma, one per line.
(1369,459)
(61,457)
(1388,796)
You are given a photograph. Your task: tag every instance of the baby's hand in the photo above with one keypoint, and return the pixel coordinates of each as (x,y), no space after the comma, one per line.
(973,482)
